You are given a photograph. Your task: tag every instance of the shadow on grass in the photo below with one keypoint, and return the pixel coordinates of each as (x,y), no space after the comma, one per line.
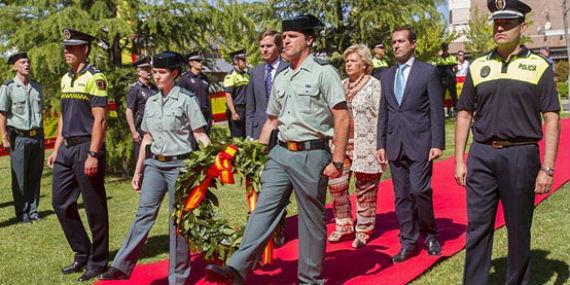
(542,269)
(13,220)
(154,246)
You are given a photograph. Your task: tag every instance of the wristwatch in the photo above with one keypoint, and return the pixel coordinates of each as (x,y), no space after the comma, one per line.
(339,165)
(92,153)
(548,170)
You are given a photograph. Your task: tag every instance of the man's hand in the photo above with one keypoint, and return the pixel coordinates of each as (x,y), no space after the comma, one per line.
(136,182)
(460,172)
(51,159)
(6,143)
(331,171)
(136,137)
(91,166)
(543,183)
(434,153)
(235,116)
(381,156)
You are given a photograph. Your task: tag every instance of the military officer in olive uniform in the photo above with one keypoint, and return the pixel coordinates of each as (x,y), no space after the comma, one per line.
(195,81)
(78,158)
(505,93)
(136,100)
(307,105)
(22,134)
(235,85)
(172,117)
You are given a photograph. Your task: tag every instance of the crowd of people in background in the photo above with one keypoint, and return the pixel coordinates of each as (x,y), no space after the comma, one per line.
(327,130)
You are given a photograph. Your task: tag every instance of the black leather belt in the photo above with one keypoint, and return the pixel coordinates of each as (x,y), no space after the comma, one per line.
(306,145)
(31,133)
(165,158)
(73,141)
(508,143)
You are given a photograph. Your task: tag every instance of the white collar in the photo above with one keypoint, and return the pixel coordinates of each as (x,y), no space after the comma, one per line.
(410,61)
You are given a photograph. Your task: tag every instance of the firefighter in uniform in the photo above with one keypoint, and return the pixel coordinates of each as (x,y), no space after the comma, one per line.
(78,158)
(172,117)
(307,105)
(235,85)
(136,100)
(22,135)
(195,81)
(505,94)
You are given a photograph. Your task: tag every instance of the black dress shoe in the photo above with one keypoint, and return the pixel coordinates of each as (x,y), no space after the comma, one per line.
(73,267)
(90,274)
(404,254)
(113,274)
(433,247)
(226,275)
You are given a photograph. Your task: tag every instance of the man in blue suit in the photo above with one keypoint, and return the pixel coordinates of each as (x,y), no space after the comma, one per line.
(261,81)
(410,137)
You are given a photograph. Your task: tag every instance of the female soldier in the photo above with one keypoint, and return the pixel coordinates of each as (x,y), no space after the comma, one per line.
(171,116)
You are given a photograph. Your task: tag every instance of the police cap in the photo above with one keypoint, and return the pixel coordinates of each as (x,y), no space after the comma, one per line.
(303,23)
(142,63)
(380,45)
(195,55)
(238,54)
(507,9)
(167,59)
(76,38)
(17,56)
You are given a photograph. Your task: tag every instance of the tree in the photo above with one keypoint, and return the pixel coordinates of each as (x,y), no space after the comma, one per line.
(479,34)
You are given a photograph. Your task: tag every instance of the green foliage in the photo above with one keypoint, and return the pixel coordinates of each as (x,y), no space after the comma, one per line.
(479,35)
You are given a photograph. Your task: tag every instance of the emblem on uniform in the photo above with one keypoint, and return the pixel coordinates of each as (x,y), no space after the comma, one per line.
(101,85)
(66,34)
(500,4)
(192,80)
(485,71)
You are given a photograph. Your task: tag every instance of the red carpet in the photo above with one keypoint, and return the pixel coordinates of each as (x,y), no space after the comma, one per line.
(371,264)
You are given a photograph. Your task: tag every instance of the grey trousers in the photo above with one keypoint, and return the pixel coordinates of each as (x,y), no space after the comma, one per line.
(287,171)
(27,163)
(159,178)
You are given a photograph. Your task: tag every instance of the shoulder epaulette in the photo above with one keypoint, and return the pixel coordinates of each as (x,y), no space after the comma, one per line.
(321,61)
(8,82)
(186,92)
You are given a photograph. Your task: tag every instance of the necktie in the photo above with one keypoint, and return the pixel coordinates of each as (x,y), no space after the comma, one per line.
(268,79)
(400,83)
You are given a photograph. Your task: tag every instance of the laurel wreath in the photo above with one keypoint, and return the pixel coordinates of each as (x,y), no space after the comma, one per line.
(204,228)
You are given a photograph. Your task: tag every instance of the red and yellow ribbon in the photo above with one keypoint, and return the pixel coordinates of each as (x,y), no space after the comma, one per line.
(251,198)
(221,168)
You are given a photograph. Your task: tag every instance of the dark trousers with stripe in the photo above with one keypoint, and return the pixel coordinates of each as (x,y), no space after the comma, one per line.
(69,180)
(413,199)
(509,175)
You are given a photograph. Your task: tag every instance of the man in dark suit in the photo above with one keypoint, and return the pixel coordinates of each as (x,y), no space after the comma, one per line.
(410,137)
(261,81)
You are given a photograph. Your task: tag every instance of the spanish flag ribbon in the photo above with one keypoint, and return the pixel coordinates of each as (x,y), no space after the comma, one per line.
(251,199)
(222,169)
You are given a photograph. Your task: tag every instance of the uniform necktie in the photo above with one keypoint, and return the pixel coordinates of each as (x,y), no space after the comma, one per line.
(268,79)
(400,84)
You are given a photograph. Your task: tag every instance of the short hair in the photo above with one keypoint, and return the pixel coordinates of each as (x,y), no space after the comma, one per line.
(412,37)
(461,51)
(363,52)
(276,37)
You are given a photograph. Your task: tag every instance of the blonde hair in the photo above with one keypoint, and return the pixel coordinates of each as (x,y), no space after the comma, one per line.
(363,52)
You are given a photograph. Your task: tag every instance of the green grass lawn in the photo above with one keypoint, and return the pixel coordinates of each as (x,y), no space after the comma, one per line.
(35,253)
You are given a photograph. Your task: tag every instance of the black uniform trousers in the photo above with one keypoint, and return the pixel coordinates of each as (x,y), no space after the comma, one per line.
(509,175)
(413,199)
(451,86)
(207,113)
(137,146)
(69,180)
(237,128)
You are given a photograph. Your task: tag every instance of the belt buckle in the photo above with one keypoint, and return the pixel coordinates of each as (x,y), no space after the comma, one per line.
(160,158)
(33,133)
(497,144)
(65,143)
(292,146)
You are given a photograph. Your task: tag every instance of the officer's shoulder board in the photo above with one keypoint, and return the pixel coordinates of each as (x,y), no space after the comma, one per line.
(8,82)
(321,61)
(186,92)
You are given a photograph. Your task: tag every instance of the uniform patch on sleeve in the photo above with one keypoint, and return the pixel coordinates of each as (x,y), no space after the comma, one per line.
(101,85)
